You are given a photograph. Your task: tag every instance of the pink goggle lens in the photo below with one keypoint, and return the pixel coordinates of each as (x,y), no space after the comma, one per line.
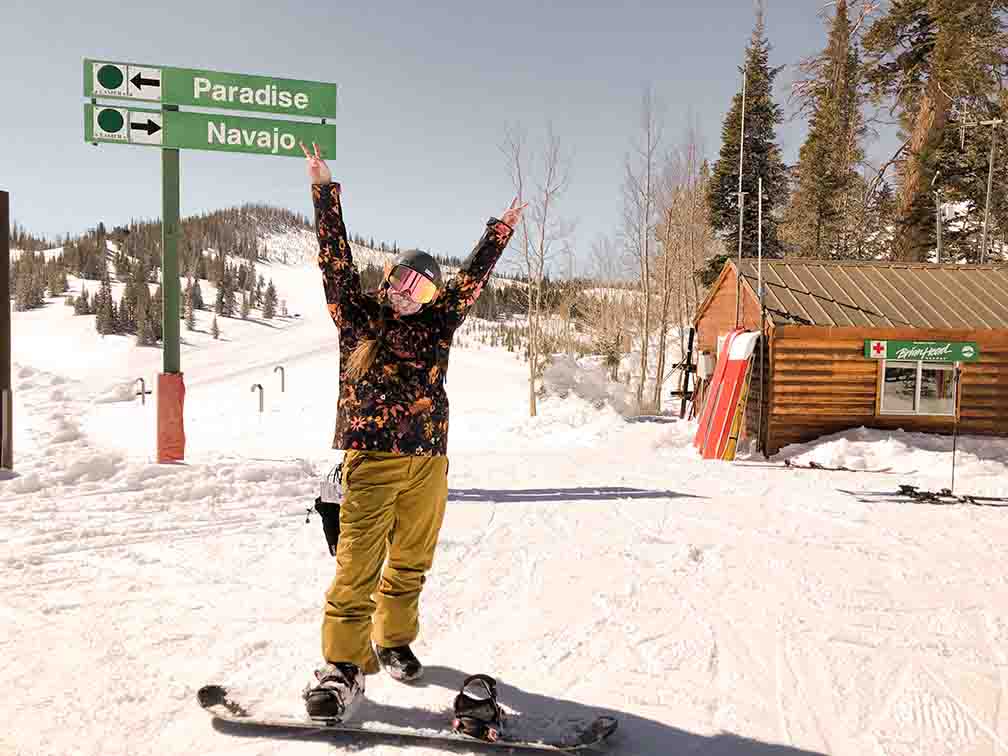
(411,284)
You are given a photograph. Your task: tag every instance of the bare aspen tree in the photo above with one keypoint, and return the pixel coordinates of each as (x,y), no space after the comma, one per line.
(541,228)
(666,285)
(606,307)
(639,221)
(685,240)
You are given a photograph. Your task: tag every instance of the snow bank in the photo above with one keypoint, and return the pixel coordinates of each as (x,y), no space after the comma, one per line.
(587,379)
(980,461)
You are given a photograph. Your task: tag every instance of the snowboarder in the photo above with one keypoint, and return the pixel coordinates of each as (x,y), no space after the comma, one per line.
(392,422)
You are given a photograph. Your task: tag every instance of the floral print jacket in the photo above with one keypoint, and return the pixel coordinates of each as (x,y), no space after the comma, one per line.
(400,404)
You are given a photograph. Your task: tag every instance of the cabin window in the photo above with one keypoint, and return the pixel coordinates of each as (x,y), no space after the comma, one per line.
(918,388)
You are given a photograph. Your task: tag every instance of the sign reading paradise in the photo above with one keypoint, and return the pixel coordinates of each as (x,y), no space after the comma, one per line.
(203,131)
(208,89)
(922,351)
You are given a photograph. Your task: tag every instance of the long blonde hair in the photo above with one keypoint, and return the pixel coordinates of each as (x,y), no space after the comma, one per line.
(366,352)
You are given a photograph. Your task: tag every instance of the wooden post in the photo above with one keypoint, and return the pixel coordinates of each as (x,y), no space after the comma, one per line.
(6,393)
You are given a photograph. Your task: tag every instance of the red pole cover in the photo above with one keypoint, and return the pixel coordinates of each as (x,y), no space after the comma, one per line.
(170,424)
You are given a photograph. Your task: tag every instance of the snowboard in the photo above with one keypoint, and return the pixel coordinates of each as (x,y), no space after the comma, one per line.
(230,706)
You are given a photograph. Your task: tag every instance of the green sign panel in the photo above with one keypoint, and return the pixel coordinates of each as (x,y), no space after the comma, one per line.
(922,351)
(208,89)
(204,131)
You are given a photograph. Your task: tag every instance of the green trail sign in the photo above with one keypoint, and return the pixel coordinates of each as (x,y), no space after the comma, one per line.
(208,89)
(172,130)
(204,131)
(922,351)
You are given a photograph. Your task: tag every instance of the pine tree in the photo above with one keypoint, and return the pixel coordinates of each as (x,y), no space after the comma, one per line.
(81,304)
(155,314)
(105,316)
(144,334)
(21,287)
(270,301)
(920,54)
(56,282)
(963,165)
(761,157)
(823,217)
(245,306)
(148,331)
(197,296)
(259,291)
(214,330)
(229,304)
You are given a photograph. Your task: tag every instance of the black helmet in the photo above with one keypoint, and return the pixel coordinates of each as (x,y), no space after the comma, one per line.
(422,263)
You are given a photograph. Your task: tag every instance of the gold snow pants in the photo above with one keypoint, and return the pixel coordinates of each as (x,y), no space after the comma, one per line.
(393,506)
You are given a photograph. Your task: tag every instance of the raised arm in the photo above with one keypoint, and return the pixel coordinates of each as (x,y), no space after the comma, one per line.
(463,289)
(340,278)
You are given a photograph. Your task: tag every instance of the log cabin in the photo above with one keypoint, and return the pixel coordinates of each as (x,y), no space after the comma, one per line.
(875,344)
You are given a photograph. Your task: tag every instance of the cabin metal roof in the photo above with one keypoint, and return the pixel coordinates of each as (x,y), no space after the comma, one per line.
(881,294)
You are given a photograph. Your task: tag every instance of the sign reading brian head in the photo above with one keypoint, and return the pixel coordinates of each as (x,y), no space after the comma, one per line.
(922,351)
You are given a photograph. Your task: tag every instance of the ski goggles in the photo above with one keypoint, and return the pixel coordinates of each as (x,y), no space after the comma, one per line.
(409,283)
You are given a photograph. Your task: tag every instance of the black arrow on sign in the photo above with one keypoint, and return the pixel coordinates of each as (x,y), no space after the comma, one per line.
(150,127)
(138,81)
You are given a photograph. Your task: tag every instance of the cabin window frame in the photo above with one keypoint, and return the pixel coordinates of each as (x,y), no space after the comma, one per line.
(919,365)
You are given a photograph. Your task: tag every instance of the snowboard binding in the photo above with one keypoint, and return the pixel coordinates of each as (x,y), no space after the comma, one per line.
(477,712)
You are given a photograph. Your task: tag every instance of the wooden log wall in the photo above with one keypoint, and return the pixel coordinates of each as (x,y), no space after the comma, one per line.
(822,383)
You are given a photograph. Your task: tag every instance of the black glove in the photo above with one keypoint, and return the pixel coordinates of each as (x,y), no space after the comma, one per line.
(329,511)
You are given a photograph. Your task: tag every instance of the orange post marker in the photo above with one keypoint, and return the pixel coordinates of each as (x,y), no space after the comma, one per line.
(170,418)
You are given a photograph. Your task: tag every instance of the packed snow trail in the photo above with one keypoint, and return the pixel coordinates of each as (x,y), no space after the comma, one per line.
(591,564)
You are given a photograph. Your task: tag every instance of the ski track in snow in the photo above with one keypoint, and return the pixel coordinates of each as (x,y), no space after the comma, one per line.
(592,565)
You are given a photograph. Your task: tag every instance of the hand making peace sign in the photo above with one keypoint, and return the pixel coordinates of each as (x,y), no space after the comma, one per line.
(513,214)
(318,171)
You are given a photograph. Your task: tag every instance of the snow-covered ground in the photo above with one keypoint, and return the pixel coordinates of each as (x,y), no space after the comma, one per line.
(591,563)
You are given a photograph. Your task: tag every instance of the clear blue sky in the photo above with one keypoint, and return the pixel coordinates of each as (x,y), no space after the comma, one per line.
(425,92)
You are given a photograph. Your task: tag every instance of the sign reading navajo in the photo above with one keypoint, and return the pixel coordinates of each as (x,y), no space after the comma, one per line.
(208,89)
(922,351)
(204,131)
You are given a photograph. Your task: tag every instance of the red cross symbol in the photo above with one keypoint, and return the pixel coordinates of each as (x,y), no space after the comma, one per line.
(878,348)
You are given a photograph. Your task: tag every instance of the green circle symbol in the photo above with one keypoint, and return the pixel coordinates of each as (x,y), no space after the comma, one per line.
(110,77)
(110,120)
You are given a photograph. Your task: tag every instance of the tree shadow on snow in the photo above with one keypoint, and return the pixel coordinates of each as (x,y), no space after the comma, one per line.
(587,493)
(635,734)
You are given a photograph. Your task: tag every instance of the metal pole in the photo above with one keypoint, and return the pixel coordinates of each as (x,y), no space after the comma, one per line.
(741,196)
(6,393)
(259,386)
(990,178)
(283,377)
(759,232)
(938,215)
(169,253)
(171,386)
(938,221)
(955,426)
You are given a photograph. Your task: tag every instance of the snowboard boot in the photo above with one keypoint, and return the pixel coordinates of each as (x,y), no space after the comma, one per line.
(400,663)
(338,689)
(477,712)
